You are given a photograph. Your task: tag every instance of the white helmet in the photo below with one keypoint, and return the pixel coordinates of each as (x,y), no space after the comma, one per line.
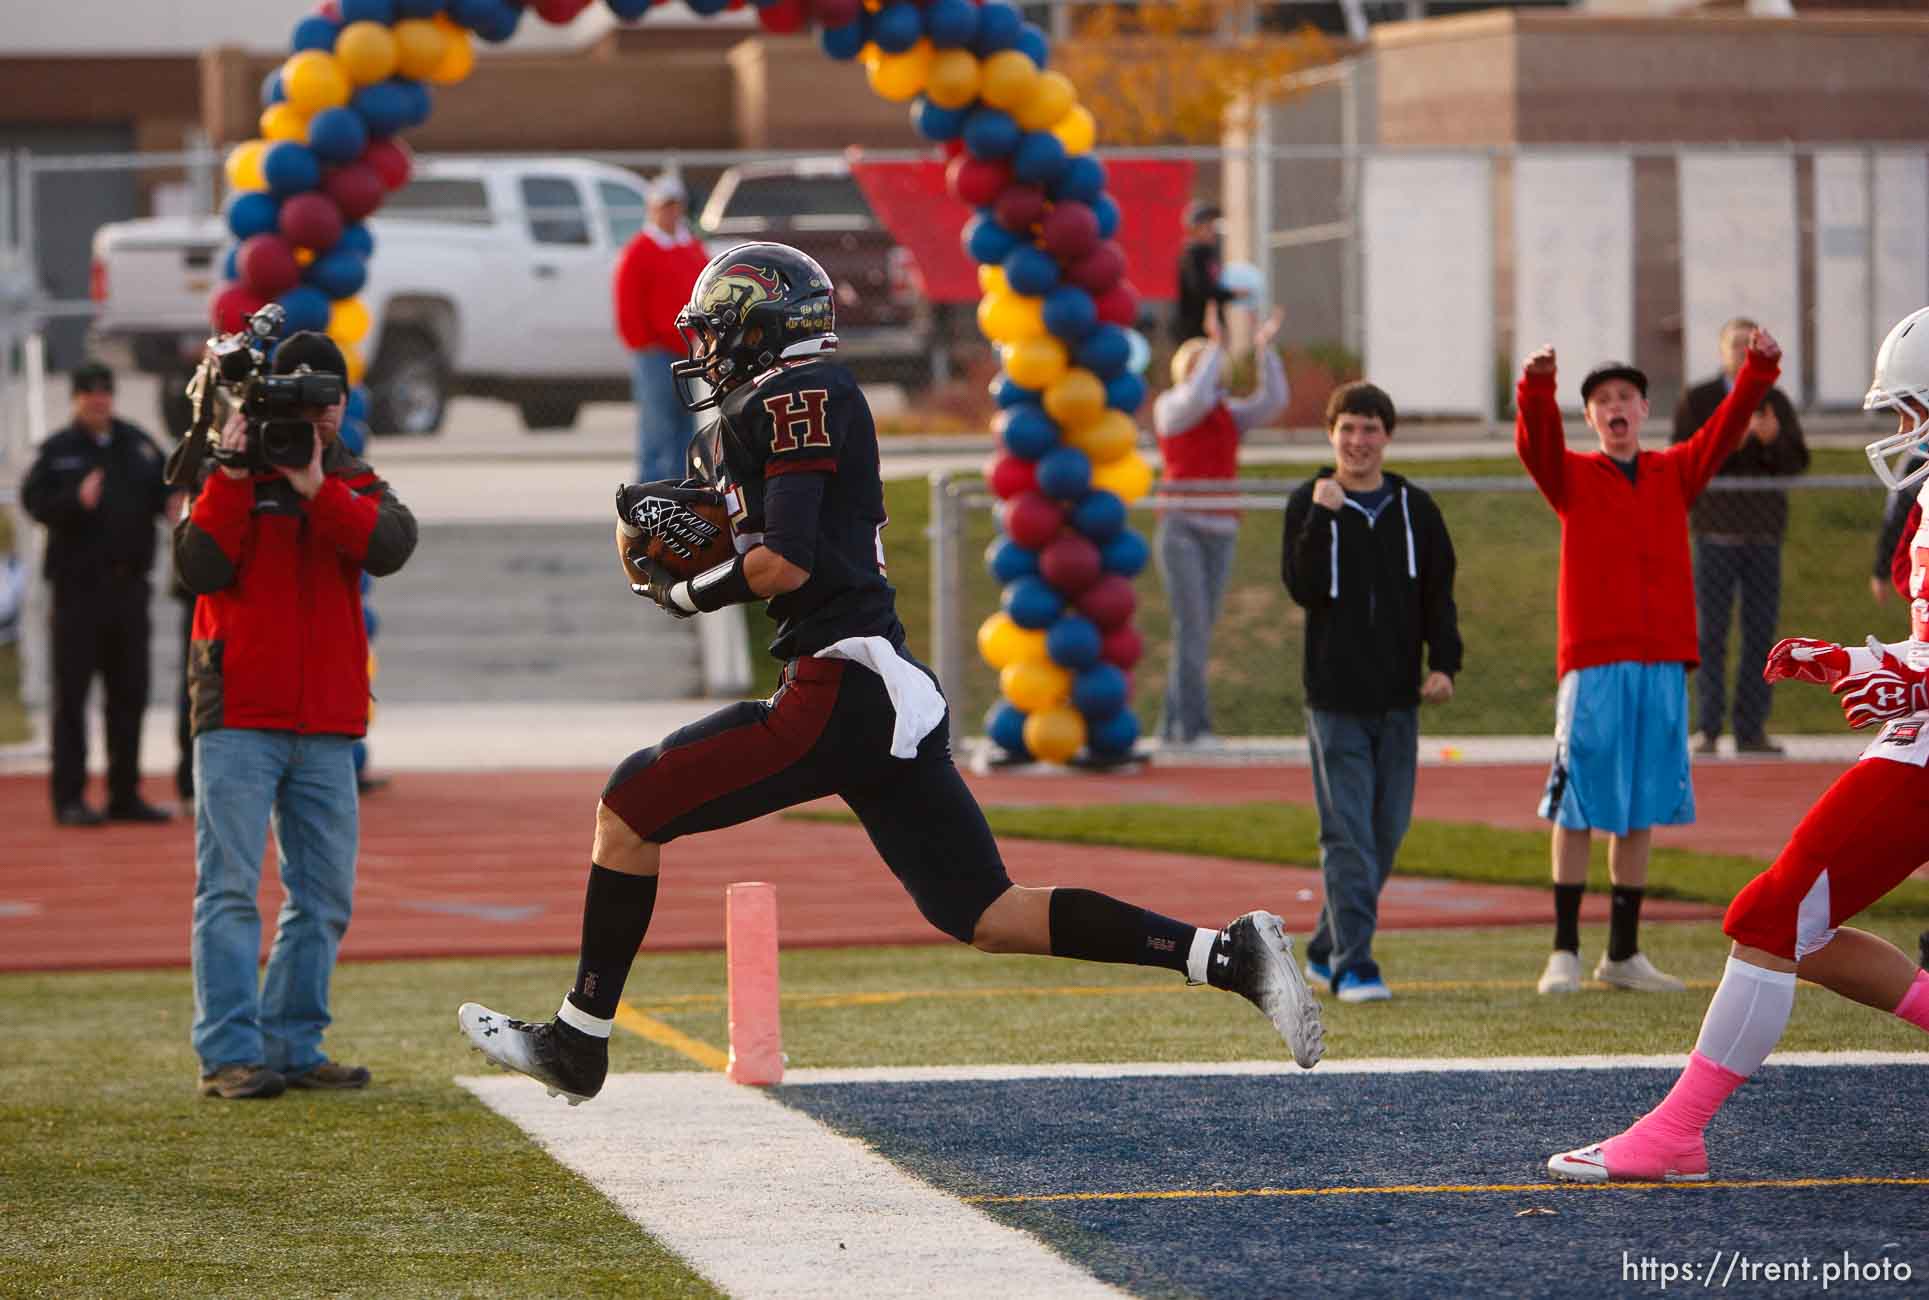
(1902,372)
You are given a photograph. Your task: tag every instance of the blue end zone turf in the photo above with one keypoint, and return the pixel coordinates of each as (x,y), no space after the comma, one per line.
(1429,1132)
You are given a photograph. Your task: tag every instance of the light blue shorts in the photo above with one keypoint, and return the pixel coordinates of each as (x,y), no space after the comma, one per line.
(1621,749)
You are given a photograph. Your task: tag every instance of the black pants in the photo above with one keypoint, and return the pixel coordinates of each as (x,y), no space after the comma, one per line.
(100,628)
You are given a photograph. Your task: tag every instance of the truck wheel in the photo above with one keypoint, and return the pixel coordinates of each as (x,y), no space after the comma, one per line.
(408,386)
(548,412)
(177,412)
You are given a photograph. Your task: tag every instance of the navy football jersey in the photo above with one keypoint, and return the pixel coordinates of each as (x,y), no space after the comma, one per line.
(811,419)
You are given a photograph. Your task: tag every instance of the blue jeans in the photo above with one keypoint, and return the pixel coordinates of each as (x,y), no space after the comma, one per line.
(664,426)
(1725,571)
(1195,564)
(1363,766)
(305,786)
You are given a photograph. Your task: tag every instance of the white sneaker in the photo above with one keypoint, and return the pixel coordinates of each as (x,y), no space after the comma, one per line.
(1563,973)
(1260,968)
(1637,973)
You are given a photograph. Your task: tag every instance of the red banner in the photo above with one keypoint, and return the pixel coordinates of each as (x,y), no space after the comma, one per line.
(911,200)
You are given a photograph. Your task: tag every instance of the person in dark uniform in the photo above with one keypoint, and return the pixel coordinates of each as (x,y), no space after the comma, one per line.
(97,485)
(1199,281)
(795,457)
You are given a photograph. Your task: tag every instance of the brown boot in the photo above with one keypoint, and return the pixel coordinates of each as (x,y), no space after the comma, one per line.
(331,1075)
(243,1083)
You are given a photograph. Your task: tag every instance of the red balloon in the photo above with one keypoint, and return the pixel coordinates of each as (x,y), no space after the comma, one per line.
(1098,270)
(1071,563)
(836,13)
(1032,519)
(329,9)
(951,149)
(783,17)
(976,181)
(357,189)
(311,221)
(1070,230)
(1009,475)
(1122,647)
(231,306)
(267,265)
(559,11)
(1019,207)
(1109,601)
(1119,305)
(392,161)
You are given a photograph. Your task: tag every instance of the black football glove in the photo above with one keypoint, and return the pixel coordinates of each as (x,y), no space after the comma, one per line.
(648,578)
(661,511)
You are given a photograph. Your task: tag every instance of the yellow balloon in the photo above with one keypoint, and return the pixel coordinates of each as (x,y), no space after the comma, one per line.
(314,80)
(991,638)
(304,256)
(991,278)
(419,47)
(367,52)
(1035,363)
(1002,642)
(1128,478)
(1077,130)
(1107,439)
(898,77)
(356,366)
(1076,400)
(869,55)
(1032,685)
(953,79)
(348,321)
(458,58)
(1051,98)
(1007,79)
(244,166)
(1009,317)
(284,122)
(1056,734)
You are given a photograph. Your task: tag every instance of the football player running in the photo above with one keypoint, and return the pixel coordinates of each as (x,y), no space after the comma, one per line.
(1866,834)
(794,458)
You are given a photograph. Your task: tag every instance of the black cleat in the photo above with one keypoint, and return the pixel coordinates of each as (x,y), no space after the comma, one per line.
(566,1061)
(1254,958)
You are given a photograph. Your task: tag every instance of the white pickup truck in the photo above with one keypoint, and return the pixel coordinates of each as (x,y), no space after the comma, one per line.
(491,277)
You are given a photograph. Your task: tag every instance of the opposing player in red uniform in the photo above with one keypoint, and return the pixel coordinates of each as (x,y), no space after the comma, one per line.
(1863,837)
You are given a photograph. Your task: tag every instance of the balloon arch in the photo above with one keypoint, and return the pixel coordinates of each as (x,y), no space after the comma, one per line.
(1056,298)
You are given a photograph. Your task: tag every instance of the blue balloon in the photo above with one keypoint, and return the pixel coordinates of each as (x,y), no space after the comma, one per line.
(230,272)
(355,239)
(337,135)
(1105,351)
(629,10)
(708,7)
(337,274)
(1081,178)
(1113,737)
(291,168)
(1124,555)
(307,309)
(1099,691)
(998,27)
(1099,516)
(1065,473)
(1125,392)
(987,241)
(414,99)
(315,33)
(990,133)
(385,107)
(1008,561)
(896,27)
(843,43)
(272,91)
(422,8)
(1036,45)
(951,23)
(1027,431)
(1032,603)
(357,408)
(1007,393)
(476,14)
(499,22)
(1030,270)
(1070,312)
(1073,642)
(371,621)
(253,212)
(368,11)
(1106,209)
(934,122)
(1005,728)
(1039,158)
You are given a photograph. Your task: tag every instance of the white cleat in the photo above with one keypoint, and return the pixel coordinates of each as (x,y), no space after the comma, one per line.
(1636,973)
(1260,968)
(569,1064)
(1563,973)
(1585,1165)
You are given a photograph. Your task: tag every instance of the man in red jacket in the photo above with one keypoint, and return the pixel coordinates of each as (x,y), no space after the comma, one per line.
(1626,637)
(653,281)
(278,688)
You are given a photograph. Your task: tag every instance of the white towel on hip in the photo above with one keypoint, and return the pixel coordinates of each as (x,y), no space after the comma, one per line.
(916,701)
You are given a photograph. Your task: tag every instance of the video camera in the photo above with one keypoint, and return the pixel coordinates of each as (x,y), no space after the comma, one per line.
(274,406)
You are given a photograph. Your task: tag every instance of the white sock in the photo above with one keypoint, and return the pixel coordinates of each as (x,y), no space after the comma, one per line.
(1200,954)
(1747,1016)
(577,1018)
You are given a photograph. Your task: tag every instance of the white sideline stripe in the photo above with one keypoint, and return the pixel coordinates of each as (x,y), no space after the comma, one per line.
(765,1201)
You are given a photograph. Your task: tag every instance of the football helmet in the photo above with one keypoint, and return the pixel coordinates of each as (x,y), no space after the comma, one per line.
(754,306)
(1902,385)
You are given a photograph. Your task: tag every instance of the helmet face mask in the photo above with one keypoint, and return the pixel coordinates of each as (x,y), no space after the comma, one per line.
(753,308)
(1902,385)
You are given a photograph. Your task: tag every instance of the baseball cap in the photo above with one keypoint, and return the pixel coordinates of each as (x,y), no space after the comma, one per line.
(1202,210)
(316,351)
(91,377)
(1612,370)
(668,188)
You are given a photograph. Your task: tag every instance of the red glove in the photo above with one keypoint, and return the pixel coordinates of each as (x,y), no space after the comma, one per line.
(1890,690)
(1804,659)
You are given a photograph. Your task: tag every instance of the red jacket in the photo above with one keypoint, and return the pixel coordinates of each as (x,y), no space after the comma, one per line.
(654,277)
(1627,587)
(278,642)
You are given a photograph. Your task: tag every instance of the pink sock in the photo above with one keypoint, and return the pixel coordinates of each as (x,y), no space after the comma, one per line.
(1696,1096)
(1914,1006)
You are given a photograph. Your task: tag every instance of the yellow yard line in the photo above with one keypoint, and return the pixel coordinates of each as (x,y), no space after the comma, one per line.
(1444,1188)
(675,1039)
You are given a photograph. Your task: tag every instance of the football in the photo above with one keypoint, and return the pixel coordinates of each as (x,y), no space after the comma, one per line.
(718,550)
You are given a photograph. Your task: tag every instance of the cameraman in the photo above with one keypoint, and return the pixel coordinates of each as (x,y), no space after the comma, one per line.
(278,682)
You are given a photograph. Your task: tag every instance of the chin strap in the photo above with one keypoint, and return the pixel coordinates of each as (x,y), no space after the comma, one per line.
(713,589)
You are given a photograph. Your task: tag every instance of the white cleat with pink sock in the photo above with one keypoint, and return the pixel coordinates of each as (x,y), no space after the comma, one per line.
(1632,1158)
